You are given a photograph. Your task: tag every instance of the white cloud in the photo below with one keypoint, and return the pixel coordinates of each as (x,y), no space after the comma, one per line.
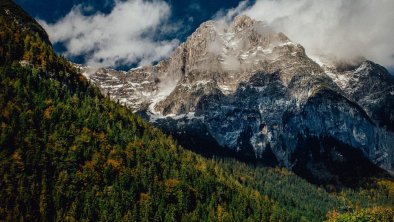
(226,16)
(344,28)
(124,36)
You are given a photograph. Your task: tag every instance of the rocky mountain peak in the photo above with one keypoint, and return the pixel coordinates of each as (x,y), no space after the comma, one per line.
(216,57)
(242,21)
(252,90)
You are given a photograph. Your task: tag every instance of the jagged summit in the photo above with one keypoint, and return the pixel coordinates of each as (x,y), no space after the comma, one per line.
(242,21)
(216,56)
(244,87)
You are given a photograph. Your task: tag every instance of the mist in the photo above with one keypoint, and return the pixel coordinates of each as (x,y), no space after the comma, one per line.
(340,29)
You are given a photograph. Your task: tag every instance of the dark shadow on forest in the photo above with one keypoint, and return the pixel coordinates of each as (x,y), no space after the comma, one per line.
(325,162)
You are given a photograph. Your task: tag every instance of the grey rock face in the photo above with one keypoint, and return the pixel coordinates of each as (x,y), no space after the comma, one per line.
(253,90)
(371,86)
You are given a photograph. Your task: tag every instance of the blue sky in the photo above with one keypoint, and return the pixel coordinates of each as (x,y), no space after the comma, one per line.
(181,10)
(183,16)
(129,33)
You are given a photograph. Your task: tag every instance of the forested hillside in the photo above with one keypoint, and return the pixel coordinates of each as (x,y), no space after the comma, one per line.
(67,153)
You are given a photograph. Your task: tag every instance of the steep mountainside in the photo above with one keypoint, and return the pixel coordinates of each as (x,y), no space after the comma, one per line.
(245,88)
(69,154)
(370,85)
(14,11)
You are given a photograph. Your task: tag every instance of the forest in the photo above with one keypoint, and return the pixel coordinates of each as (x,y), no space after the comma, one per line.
(68,153)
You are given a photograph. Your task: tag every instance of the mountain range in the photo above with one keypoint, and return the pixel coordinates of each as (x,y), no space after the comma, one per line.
(76,144)
(245,89)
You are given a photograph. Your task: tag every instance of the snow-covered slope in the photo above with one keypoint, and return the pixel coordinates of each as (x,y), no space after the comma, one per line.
(249,89)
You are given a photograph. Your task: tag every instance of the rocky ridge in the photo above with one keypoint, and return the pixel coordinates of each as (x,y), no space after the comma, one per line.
(252,90)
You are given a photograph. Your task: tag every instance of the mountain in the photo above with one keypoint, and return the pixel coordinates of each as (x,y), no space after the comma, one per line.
(368,84)
(67,153)
(244,90)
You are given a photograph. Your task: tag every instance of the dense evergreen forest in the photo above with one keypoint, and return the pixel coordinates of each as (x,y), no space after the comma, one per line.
(69,154)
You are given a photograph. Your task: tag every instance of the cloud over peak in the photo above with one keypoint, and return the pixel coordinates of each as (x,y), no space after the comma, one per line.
(342,28)
(136,31)
(127,35)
